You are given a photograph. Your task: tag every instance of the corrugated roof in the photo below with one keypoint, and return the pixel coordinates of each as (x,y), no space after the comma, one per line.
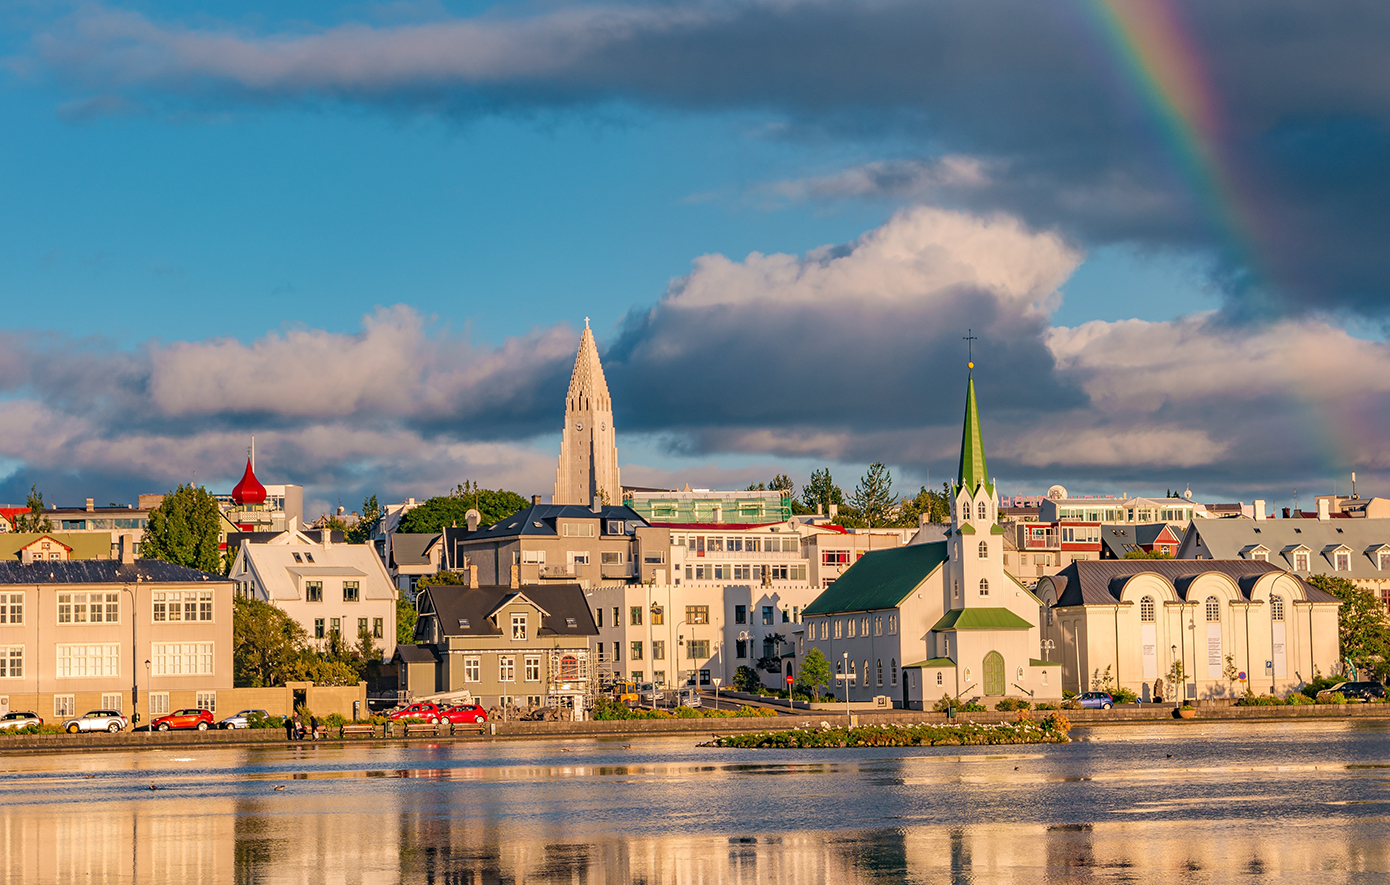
(412,548)
(1226,538)
(416,654)
(981,619)
(84,545)
(1122,539)
(931,662)
(456,605)
(103,571)
(1101,582)
(880,579)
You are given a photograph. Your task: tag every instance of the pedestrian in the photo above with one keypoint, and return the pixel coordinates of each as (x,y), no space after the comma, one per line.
(298,727)
(313,727)
(289,728)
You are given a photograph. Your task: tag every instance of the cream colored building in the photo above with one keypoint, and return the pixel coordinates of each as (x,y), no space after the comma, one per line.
(1136,618)
(327,588)
(137,636)
(588,467)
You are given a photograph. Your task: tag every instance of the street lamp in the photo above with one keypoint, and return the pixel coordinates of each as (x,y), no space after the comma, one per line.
(147,688)
(846,679)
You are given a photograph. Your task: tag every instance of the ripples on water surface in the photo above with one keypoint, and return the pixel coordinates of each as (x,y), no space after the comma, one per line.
(1235,802)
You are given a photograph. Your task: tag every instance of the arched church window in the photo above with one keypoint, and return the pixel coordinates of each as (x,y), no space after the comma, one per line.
(1146,609)
(984,550)
(1276,608)
(1213,610)
(981,512)
(984,586)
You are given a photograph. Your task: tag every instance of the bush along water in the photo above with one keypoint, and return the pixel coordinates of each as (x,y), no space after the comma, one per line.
(1051,730)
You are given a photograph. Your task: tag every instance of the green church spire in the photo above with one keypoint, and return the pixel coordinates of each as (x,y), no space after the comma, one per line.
(973,473)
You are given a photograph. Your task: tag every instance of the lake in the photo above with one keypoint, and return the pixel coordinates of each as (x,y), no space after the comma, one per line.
(1192,802)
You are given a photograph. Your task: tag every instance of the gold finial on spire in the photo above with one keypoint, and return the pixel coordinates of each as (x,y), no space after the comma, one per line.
(970,340)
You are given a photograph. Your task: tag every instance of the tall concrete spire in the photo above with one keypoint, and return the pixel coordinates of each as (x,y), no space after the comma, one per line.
(588,447)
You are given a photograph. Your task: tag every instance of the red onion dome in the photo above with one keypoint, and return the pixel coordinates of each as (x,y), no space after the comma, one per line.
(249,490)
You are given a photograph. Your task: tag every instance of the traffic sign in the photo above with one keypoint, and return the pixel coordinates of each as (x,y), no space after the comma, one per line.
(1241,675)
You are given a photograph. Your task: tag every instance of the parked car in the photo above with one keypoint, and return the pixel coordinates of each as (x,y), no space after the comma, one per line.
(1096,700)
(649,693)
(689,697)
(96,720)
(16,719)
(424,710)
(625,693)
(243,719)
(190,718)
(1356,691)
(463,713)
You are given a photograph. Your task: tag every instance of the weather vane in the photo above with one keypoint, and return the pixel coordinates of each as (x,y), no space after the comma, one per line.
(970,340)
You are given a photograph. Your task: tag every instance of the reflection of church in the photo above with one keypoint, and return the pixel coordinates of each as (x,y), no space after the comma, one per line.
(963,626)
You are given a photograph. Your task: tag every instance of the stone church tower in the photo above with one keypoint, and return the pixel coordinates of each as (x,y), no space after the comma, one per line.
(588,448)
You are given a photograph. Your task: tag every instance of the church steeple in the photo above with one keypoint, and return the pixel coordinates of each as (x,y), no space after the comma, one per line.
(973,472)
(588,467)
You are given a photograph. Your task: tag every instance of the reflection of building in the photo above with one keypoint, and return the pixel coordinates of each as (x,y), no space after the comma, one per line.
(1136,618)
(529,645)
(75,636)
(588,468)
(965,626)
(327,588)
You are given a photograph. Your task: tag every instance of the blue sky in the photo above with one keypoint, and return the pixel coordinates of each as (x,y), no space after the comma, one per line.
(209,213)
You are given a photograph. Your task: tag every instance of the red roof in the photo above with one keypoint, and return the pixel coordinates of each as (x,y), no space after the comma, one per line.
(249,490)
(9,513)
(715,526)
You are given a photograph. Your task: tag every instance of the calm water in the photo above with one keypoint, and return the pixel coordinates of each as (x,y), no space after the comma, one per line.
(1305,802)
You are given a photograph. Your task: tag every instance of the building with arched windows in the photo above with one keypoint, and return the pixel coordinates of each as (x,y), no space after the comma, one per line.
(1141,623)
(958,624)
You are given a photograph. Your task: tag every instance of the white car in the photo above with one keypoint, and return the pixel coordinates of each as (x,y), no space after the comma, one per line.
(17,719)
(96,720)
(648,693)
(689,697)
(241,720)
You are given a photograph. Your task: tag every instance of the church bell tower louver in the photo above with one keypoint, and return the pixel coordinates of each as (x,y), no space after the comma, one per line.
(588,447)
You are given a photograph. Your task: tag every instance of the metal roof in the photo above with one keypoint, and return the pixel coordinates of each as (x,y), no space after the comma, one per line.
(1226,538)
(880,579)
(1101,582)
(103,571)
(981,619)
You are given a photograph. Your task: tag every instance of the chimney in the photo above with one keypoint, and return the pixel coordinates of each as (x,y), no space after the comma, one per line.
(127,544)
(1259,508)
(473,517)
(834,511)
(535,500)
(26,556)
(473,577)
(596,505)
(516,576)
(1323,509)
(326,536)
(91,505)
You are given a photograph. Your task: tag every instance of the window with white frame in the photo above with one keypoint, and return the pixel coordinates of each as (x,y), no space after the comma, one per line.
(533,668)
(1300,561)
(1260,555)
(88,661)
(879,670)
(1146,609)
(181,659)
(824,628)
(1341,561)
(519,626)
(506,668)
(892,625)
(1383,560)
(984,586)
(893,668)
(188,605)
(207,700)
(64,706)
(11,608)
(472,669)
(111,702)
(938,677)
(1213,609)
(878,625)
(352,591)
(11,662)
(93,608)
(533,557)
(159,703)
(849,629)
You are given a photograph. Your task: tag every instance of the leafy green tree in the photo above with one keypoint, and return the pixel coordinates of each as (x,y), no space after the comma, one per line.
(935,506)
(443,577)
(366,523)
(815,673)
(821,491)
(874,498)
(335,523)
(782,483)
(756,487)
(34,520)
(1147,554)
(183,530)
(746,680)
(436,514)
(1363,626)
(267,645)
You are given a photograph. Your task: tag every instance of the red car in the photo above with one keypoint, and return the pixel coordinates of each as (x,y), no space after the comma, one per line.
(423,710)
(464,713)
(199,719)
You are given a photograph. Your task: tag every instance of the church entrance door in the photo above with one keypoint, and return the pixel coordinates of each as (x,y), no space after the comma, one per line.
(994,673)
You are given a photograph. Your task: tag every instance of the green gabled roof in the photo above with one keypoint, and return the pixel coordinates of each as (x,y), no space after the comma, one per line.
(881,579)
(998,529)
(965,529)
(930,662)
(973,472)
(1034,662)
(981,619)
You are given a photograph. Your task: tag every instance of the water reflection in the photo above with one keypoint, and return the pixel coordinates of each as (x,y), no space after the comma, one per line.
(1223,803)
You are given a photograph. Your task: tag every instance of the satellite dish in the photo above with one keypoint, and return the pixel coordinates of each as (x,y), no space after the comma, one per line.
(1187,493)
(1057,493)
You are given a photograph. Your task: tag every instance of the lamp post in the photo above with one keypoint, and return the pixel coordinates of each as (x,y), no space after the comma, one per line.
(1173,656)
(134,673)
(147,688)
(847,679)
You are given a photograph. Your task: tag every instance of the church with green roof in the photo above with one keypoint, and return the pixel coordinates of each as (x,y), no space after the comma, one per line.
(911,624)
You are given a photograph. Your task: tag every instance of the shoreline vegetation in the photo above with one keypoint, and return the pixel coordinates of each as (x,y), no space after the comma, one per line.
(1025,730)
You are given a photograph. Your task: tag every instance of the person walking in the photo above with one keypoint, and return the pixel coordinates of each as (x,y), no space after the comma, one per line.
(289,728)
(313,727)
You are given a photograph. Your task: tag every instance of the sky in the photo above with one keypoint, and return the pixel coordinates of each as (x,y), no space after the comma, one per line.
(370,234)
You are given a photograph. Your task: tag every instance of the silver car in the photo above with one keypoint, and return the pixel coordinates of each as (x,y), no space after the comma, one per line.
(17,719)
(96,720)
(648,693)
(242,719)
(689,697)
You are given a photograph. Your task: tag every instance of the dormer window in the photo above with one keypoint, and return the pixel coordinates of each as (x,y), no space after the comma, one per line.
(1383,560)
(1341,561)
(1260,556)
(519,626)
(1300,561)
(463,623)
(297,557)
(308,556)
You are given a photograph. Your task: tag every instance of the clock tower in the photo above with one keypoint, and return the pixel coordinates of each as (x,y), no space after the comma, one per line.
(588,447)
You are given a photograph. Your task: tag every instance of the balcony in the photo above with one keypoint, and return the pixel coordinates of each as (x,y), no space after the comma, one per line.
(1046,542)
(569,570)
(618,570)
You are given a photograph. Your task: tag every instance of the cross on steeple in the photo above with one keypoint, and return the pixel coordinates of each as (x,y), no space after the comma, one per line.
(970,340)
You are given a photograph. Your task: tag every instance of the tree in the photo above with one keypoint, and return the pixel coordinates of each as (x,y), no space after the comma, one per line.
(35,520)
(935,506)
(873,497)
(1147,554)
(756,487)
(183,530)
(782,483)
(334,523)
(366,523)
(1364,629)
(815,673)
(746,680)
(267,645)
(438,513)
(821,491)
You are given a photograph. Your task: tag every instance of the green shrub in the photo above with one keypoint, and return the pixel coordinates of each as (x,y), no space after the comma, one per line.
(1318,684)
(46,728)
(1071,703)
(1124,696)
(334,720)
(1008,705)
(1043,705)
(972,707)
(1261,700)
(1067,695)
(1335,698)
(1298,699)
